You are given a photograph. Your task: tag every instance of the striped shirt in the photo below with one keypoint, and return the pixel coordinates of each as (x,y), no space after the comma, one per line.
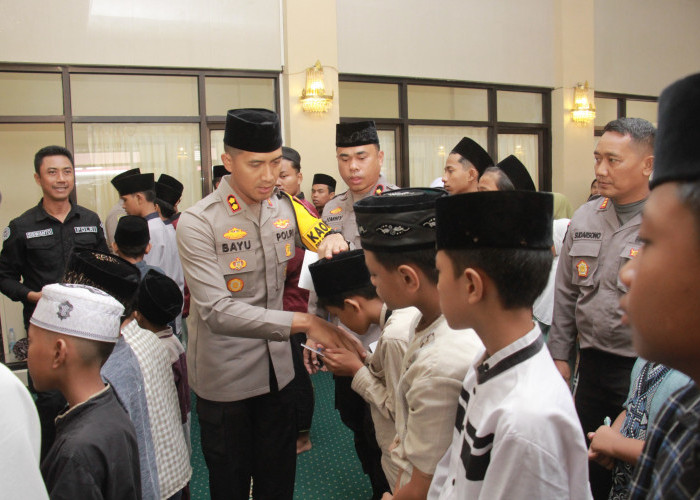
(669,466)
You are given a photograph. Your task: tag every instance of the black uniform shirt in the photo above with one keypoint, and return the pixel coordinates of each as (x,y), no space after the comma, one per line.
(36,247)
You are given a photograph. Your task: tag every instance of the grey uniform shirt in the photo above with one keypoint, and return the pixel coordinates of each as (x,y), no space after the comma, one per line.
(235,264)
(587,287)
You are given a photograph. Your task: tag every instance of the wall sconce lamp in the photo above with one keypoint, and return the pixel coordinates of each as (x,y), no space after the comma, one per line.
(314,98)
(584,109)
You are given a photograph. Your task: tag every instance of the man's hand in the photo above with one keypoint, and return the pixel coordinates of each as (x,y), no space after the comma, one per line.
(602,443)
(332,244)
(33,297)
(564,369)
(325,333)
(342,362)
(312,362)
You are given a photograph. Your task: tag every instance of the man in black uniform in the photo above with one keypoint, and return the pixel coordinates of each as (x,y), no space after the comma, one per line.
(36,247)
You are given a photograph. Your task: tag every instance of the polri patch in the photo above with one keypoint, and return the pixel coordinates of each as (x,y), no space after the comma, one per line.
(85,229)
(281,223)
(237,264)
(235,285)
(233,203)
(582,269)
(6,233)
(235,234)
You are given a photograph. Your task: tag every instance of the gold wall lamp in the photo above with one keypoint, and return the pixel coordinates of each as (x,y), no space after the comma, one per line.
(314,98)
(583,112)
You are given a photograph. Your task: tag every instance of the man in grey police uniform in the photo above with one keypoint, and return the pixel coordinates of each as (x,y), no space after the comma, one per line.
(234,245)
(602,237)
(359,164)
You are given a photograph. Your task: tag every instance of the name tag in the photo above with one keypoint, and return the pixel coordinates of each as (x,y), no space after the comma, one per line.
(39,234)
(85,229)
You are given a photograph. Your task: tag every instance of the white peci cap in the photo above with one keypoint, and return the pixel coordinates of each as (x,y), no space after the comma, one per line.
(79,311)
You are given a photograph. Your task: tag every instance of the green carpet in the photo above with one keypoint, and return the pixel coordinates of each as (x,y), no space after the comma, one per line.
(329,471)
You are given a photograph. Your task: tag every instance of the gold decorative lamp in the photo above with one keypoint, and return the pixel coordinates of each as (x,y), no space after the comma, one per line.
(584,109)
(314,98)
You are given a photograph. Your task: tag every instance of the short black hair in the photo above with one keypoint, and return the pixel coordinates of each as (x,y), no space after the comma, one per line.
(520,275)
(51,151)
(133,251)
(338,300)
(640,130)
(150,195)
(166,209)
(423,259)
(688,194)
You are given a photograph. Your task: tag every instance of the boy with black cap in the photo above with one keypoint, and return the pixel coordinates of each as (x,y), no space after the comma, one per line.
(71,334)
(168,196)
(662,283)
(139,369)
(345,289)
(516,433)
(159,302)
(235,245)
(322,191)
(132,242)
(464,166)
(398,235)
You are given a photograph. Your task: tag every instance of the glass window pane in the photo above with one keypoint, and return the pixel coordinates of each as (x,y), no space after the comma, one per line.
(134,95)
(217,146)
(223,94)
(643,109)
(605,111)
(430,147)
(376,100)
(19,143)
(525,147)
(104,150)
(521,107)
(31,94)
(387,140)
(447,103)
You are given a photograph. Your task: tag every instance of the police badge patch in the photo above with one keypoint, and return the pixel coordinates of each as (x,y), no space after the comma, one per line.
(64,309)
(6,233)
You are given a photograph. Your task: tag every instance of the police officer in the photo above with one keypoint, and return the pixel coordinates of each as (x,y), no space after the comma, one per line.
(464,166)
(235,245)
(602,237)
(36,247)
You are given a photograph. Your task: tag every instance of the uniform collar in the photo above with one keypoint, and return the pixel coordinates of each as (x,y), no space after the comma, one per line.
(521,350)
(150,216)
(43,214)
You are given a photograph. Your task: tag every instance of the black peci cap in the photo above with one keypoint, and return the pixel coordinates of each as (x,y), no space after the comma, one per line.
(474,153)
(343,273)
(353,134)
(253,129)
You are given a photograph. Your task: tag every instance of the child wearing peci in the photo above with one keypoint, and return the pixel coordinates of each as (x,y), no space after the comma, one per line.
(516,434)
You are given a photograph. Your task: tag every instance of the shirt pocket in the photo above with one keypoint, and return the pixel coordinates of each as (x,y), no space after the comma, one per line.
(240,273)
(584,261)
(42,252)
(285,251)
(629,251)
(85,240)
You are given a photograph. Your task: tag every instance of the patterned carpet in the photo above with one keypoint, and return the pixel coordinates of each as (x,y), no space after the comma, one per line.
(329,471)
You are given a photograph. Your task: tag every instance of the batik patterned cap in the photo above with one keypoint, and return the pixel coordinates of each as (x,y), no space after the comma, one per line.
(78,311)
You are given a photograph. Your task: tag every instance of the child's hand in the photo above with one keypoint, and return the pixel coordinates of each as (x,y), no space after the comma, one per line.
(602,442)
(342,362)
(312,362)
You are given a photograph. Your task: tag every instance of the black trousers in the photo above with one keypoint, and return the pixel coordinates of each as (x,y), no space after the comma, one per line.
(355,414)
(301,385)
(603,384)
(253,438)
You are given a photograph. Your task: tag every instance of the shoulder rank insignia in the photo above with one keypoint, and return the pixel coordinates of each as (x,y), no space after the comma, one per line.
(233,203)
(634,252)
(235,285)
(379,189)
(269,202)
(604,205)
(235,234)
(281,223)
(336,210)
(237,264)
(582,269)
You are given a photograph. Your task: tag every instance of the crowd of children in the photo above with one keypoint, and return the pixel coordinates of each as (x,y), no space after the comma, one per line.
(464,398)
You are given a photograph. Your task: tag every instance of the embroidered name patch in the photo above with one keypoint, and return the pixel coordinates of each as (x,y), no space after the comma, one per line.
(237,264)
(39,234)
(233,203)
(235,285)
(234,234)
(85,229)
(281,223)
(336,210)
(582,269)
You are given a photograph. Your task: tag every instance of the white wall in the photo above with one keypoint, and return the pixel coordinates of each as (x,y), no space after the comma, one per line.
(243,34)
(641,46)
(504,41)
